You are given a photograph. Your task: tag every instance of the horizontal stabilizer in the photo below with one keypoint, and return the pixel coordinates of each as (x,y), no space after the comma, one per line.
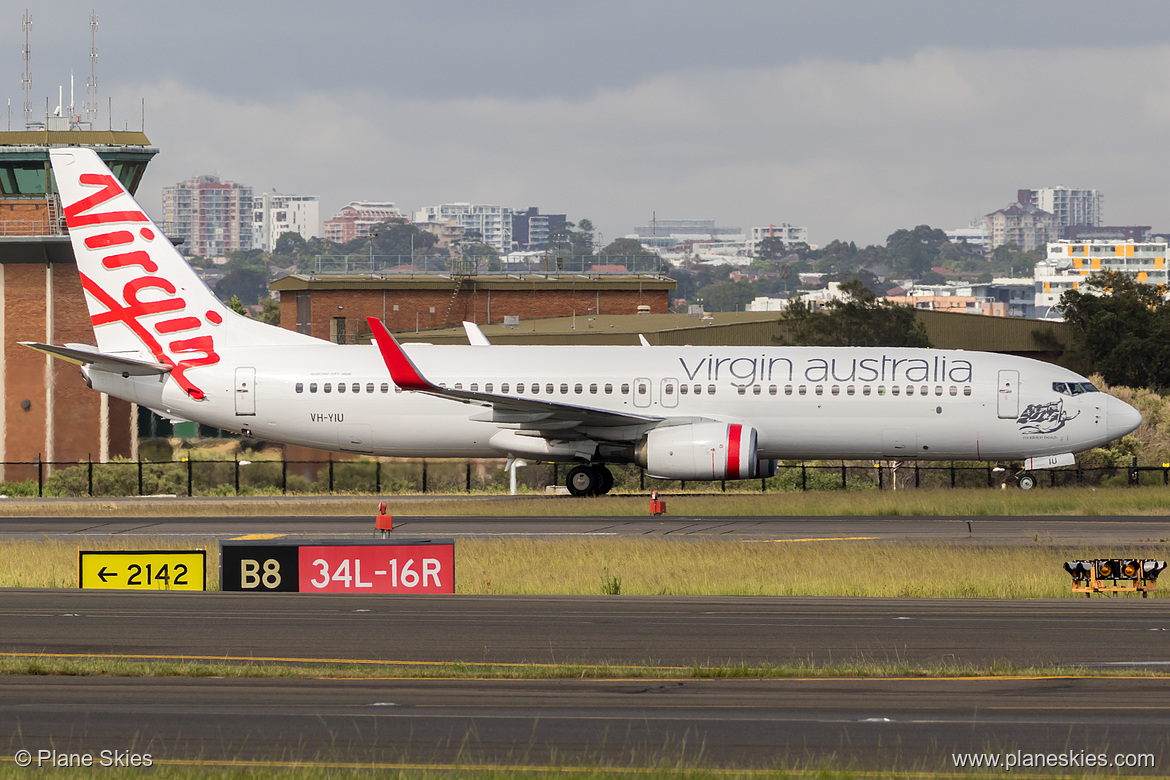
(84,355)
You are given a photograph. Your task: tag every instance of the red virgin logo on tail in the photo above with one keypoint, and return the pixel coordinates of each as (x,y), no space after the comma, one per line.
(146,295)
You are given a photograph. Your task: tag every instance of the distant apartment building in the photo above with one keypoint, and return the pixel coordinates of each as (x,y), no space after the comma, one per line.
(789,234)
(1068,263)
(1069,206)
(212,217)
(670,232)
(1024,224)
(531,229)
(357,219)
(273,215)
(492,224)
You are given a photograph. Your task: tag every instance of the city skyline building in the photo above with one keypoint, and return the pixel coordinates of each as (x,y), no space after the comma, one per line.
(275,214)
(213,217)
(358,218)
(1070,206)
(492,223)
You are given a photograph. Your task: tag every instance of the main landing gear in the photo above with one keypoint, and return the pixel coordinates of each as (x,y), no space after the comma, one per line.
(1025,480)
(592,480)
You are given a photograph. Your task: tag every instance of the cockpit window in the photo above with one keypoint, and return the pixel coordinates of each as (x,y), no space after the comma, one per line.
(1074,388)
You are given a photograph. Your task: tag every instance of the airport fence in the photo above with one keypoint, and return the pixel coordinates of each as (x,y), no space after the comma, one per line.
(219,477)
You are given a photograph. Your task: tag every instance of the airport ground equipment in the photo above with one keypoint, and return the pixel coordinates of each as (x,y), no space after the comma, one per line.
(1103,575)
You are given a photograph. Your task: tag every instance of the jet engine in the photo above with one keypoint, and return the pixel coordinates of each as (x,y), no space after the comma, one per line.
(702,451)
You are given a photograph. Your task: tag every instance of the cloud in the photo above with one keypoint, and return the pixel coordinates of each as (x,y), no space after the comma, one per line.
(853,150)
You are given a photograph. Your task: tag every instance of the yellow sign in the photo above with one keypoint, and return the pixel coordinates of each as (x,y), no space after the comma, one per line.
(142,570)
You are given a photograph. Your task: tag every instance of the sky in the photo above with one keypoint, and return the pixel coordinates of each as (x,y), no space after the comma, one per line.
(853,118)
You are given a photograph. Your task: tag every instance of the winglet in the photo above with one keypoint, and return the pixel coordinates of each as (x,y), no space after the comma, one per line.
(475,336)
(402,371)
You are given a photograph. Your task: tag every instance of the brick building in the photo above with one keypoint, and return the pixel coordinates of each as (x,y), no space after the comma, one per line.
(48,412)
(335,307)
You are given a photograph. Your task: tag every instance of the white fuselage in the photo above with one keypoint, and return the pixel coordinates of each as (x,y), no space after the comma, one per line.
(805,402)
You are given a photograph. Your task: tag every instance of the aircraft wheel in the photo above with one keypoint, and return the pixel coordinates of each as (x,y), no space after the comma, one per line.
(1026,481)
(606,478)
(583,481)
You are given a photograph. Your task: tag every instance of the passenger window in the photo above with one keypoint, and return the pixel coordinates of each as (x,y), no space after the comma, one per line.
(535,389)
(954,390)
(357,387)
(487,388)
(835,390)
(504,387)
(519,388)
(475,387)
(300,387)
(909,389)
(710,389)
(608,388)
(312,387)
(757,389)
(682,389)
(698,389)
(385,388)
(820,389)
(593,388)
(771,389)
(340,387)
(625,388)
(328,387)
(642,388)
(564,388)
(967,390)
(895,390)
(369,387)
(881,389)
(787,389)
(742,390)
(549,389)
(578,389)
(865,389)
(850,390)
(802,390)
(938,389)
(669,389)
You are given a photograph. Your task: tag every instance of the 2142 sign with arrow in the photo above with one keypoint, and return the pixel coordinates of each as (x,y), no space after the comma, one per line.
(142,569)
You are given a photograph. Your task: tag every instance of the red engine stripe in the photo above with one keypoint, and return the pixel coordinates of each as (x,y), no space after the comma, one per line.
(733,435)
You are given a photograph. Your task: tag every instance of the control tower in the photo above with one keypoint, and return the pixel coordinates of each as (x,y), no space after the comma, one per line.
(48,417)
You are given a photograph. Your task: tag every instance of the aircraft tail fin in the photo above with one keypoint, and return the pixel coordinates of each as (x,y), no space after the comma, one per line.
(144,299)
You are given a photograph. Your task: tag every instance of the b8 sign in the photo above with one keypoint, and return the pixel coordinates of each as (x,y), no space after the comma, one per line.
(377,569)
(328,566)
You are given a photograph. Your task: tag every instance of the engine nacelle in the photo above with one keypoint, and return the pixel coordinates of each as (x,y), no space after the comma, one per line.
(702,451)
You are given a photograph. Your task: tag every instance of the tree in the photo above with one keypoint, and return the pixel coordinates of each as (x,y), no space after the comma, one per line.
(726,296)
(290,243)
(630,253)
(247,283)
(914,252)
(235,305)
(270,311)
(857,320)
(1121,329)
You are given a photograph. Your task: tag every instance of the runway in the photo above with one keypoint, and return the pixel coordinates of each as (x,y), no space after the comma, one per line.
(873,723)
(1057,530)
(908,724)
(742,722)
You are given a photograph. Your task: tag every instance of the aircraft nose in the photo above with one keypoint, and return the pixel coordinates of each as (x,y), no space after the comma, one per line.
(1120,418)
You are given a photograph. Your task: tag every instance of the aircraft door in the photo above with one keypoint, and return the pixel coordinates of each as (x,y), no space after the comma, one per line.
(642,392)
(1008,394)
(668,394)
(245,392)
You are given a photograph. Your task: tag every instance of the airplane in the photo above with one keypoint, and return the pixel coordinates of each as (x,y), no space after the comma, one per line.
(164,341)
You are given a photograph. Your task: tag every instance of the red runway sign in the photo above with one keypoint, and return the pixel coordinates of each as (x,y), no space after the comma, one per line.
(377,569)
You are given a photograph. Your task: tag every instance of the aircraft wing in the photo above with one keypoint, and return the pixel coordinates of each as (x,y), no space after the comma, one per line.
(523,413)
(85,355)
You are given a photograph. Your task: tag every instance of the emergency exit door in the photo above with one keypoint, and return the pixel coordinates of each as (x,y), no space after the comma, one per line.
(1008,397)
(245,392)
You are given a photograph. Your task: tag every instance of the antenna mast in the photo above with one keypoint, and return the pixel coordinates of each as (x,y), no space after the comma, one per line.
(91,85)
(26,80)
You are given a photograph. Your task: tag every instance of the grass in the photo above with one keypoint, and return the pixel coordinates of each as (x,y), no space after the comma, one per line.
(677,567)
(925,502)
